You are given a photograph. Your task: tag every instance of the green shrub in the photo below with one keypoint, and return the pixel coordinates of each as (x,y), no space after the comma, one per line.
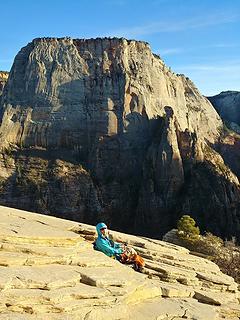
(225,254)
(187,228)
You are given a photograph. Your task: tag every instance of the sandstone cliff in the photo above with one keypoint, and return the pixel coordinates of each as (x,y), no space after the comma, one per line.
(102,129)
(3,80)
(95,88)
(227,104)
(49,270)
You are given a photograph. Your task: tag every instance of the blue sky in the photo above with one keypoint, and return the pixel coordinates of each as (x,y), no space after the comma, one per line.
(200,38)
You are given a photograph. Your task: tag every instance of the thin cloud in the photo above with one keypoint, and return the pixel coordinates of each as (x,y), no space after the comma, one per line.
(115,2)
(232,67)
(175,51)
(224,45)
(213,78)
(169,51)
(176,26)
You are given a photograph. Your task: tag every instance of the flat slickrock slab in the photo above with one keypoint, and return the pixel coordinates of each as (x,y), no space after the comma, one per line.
(11,215)
(31,254)
(25,300)
(175,291)
(9,259)
(74,306)
(79,291)
(40,277)
(183,260)
(16,316)
(92,258)
(172,309)
(215,298)
(43,250)
(230,311)
(177,273)
(49,270)
(217,282)
(216,278)
(22,230)
(116,312)
(57,300)
(101,277)
(15,226)
(143,292)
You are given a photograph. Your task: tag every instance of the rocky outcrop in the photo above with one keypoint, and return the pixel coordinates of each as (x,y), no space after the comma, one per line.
(51,186)
(49,270)
(102,128)
(227,104)
(3,80)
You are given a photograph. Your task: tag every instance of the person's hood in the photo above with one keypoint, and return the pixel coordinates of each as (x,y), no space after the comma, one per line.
(100,226)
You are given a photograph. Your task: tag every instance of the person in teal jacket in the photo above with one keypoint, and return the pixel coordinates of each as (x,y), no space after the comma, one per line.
(104,244)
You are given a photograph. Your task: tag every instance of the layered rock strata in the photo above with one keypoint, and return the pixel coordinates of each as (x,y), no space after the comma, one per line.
(49,270)
(75,91)
(102,128)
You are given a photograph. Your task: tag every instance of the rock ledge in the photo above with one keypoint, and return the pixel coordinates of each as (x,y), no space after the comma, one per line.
(49,270)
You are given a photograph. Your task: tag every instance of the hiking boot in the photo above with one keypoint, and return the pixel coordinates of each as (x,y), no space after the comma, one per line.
(137,268)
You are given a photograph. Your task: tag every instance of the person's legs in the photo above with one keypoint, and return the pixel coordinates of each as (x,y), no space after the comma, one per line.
(130,256)
(138,263)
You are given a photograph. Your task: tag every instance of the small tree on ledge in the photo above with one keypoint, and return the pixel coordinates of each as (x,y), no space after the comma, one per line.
(187,228)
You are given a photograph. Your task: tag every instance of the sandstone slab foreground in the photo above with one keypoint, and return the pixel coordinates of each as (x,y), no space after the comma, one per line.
(49,270)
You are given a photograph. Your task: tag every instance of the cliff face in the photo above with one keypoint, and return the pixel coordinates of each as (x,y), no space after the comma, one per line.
(3,80)
(65,92)
(104,130)
(227,104)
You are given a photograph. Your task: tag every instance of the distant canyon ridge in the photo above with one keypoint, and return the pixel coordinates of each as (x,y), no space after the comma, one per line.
(227,104)
(101,129)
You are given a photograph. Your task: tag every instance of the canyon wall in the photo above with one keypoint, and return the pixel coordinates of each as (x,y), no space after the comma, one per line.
(101,129)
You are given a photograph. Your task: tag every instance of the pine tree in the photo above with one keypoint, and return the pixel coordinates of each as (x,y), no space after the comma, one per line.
(187,227)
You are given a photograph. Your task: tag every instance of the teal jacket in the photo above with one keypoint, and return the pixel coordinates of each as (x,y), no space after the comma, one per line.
(104,244)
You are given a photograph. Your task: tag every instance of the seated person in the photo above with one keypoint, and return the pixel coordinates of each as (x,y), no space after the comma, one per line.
(117,250)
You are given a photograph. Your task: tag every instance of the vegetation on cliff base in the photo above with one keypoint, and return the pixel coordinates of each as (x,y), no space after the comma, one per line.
(187,228)
(226,254)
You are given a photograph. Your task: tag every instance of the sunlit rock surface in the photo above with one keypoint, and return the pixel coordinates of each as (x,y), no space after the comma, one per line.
(227,104)
(3,80)
(102,129)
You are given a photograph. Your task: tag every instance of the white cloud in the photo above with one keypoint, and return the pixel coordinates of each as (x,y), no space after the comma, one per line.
(173,51)
(224,66)
(176,26)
